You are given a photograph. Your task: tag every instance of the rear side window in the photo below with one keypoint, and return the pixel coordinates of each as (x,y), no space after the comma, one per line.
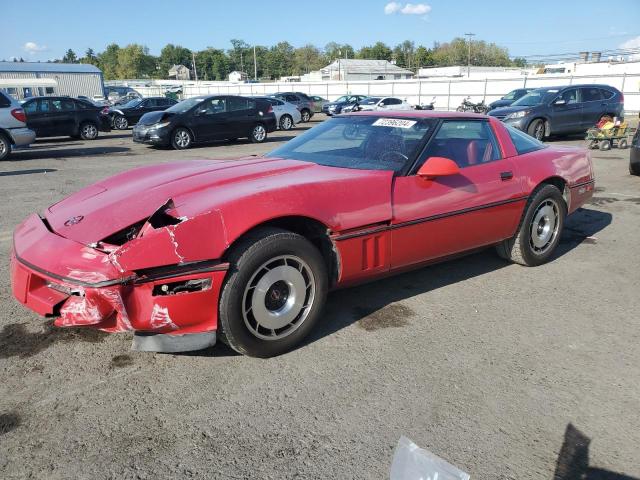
(291,98)
(4,101)
(466,142)
(606,94)
(30,107)
(238,103)
(523,142)
(591,94)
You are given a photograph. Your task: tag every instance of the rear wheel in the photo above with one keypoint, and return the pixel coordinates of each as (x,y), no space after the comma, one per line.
(306,115)
(258,133)
(88,131)
(274,293)
(286,122)
(539,231)
(537,129)
(181,139)
(5,147)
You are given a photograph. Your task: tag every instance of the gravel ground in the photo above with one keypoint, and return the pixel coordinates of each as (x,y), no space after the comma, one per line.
(484,363)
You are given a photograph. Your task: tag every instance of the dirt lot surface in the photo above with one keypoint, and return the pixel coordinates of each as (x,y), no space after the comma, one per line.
(482,362)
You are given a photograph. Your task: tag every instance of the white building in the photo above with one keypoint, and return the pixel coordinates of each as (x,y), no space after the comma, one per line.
(354,69)
(236,76)
(179,72)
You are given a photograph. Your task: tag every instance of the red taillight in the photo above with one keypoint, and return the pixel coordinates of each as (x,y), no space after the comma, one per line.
(105,111)
(621,97)
(270,109)
(19,115)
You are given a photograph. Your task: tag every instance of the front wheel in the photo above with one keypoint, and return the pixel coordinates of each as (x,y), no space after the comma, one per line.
(258,133)
(286,122)
(88,131)
(274,293)
(539,231)
(537,129)
(181,139)
(121,122)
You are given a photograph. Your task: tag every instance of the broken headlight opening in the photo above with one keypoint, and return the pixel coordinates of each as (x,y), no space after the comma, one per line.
(62,289)
(125,235)
(187,286)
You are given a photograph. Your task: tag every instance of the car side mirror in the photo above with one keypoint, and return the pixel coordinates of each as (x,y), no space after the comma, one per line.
(436,167)
(560,101)
(381,104)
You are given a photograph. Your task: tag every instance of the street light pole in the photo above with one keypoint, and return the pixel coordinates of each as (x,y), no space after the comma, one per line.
(469,35)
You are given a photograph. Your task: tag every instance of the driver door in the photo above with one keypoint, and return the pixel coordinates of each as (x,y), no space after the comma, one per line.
(210,120)
(442,216)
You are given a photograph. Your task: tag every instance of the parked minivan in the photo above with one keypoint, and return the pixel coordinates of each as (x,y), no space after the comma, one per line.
(562,110)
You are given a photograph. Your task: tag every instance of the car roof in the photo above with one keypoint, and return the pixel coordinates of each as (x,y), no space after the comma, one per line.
(416,114)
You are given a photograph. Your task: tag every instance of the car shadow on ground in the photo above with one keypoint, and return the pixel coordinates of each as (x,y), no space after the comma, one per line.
(22,155)
(573,460)
(376,305)
(12,173)
(69,140)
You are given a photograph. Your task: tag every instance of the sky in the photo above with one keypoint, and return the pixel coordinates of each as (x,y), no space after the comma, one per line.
(526,28)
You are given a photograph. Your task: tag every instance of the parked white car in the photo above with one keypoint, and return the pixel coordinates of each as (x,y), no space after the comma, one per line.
(287,114)
(379,103)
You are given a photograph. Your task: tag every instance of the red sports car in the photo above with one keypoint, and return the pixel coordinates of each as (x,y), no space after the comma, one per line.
(248,248)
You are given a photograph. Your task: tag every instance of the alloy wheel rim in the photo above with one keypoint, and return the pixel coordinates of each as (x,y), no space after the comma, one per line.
(121,123)
(278,297)
(259,133)
(89,131)
(539,131)
(305,117)
(544,226)
(182,138)
(3,147)
(286,123)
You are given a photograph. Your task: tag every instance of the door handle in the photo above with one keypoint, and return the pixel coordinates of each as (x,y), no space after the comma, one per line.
(506,176)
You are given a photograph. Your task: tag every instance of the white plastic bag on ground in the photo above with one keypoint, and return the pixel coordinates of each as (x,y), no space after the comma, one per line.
(411,462)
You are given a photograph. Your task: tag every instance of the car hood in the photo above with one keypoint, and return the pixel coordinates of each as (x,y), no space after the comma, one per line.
(193,188)
(335,104)
(500,103)
(503,111)
(152,118)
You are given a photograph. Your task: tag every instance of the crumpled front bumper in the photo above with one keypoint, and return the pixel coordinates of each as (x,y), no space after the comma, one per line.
(84,286)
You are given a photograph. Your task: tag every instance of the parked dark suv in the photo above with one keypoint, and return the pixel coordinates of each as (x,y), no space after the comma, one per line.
(205,119)
(634,154)
(62,116)
(561,110)
(128,114)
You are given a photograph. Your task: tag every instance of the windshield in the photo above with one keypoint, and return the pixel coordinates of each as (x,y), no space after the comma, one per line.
(535,97)
(370,101)
(359,142)
(132,103)
(184,105)
(343,98)
(510,95)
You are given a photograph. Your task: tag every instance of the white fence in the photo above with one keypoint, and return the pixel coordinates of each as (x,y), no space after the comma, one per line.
(449,93)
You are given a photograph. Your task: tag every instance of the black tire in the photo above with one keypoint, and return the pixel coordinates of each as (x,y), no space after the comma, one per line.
(306,115)
(524,248)
(634,168)
(258,133)
(5,147)
(605,145)
(120,122)
(88,131)
(622,143)
(248,260)
(181,138)
(286,122)
(537,129)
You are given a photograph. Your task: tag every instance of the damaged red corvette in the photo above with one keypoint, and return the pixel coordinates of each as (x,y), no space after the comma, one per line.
(247,249)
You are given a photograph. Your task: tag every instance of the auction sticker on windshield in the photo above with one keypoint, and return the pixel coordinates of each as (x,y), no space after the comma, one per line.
(394,122)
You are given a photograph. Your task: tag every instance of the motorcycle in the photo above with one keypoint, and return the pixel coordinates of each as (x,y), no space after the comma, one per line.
(427,106)
(468,106)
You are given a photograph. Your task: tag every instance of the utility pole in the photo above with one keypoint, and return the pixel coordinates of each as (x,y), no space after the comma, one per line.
(255,65)
(241,63)
(195,70)
(469,35)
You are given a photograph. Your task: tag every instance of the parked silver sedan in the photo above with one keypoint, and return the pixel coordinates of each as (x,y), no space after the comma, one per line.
(287,114)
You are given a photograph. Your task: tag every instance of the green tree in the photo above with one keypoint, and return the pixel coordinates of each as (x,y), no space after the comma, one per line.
(379,51)
(89,57)
(279,60)
(482,53)
(134,61)
(239,56)
(212,64)
(306,59)
(423,57)
(333,51)
(108,61)
(70,57)
(172,55)
(519,62)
